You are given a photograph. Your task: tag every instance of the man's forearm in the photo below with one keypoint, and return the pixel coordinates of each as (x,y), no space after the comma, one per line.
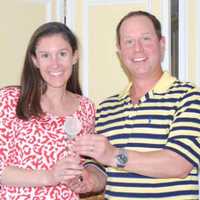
(98,179)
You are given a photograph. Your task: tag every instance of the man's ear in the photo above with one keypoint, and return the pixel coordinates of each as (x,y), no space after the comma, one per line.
(162,47)
(75,57)
(118,51)
(118,47)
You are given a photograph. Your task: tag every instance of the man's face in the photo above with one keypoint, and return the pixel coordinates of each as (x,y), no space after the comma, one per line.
(140,49)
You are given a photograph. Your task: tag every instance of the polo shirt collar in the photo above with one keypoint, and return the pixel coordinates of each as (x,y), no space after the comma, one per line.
(161,86)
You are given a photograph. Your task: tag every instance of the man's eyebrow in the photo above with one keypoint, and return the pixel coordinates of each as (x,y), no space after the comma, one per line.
(148,33)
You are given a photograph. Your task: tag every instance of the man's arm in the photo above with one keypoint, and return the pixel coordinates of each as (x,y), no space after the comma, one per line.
(92,180)
(159,164)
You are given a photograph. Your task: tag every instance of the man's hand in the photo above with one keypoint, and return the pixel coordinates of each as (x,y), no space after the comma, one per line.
(81,183)
(90,181)
(97,147)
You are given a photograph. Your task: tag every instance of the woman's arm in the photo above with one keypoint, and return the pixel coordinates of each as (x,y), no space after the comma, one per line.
(62,171)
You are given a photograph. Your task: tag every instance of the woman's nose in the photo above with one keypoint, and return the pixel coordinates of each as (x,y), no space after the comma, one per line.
(54,61)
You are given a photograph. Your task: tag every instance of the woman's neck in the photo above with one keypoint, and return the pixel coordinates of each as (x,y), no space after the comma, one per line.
(59,103)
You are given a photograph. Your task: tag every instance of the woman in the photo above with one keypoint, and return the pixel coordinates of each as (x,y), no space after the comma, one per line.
(37,116)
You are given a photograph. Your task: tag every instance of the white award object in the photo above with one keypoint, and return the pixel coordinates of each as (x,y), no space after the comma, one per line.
(72,127)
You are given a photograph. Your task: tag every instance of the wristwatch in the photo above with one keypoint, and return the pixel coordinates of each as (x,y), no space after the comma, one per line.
(121,158)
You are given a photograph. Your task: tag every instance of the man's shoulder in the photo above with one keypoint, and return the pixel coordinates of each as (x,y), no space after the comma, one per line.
(185,86)
(113,103)
(111,99)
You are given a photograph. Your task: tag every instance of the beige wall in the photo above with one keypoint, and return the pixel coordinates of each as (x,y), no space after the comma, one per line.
(101,73)
(192,34)
(94,22)
(18,19)
(95,25)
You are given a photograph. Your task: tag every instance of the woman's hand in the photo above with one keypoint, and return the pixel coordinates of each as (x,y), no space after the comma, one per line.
(64,170)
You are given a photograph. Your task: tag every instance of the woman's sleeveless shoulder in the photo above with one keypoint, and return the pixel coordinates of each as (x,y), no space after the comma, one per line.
(9,95)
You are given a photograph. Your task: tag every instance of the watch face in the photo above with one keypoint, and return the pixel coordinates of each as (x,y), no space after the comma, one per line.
(122,158)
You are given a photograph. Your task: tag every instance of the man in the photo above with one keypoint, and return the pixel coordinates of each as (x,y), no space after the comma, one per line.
(148,135)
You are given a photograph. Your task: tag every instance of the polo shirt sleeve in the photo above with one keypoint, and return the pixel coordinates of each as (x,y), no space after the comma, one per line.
(184,133)
(91,162)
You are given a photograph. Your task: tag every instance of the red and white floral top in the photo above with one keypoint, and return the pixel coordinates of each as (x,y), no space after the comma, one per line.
(36,144)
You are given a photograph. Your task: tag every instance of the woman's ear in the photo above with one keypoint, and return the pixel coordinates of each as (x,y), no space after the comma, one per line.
(34,59)
(75,57)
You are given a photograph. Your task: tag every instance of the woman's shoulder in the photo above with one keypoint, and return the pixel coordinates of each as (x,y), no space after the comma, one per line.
(85,99)
(86,102)
(10,92)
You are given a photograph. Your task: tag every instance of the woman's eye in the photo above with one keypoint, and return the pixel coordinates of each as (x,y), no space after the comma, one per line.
(44,55)
(129,41)
(63,53)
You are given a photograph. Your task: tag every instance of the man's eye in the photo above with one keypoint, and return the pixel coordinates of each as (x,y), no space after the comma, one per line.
(129,42)
(146,38)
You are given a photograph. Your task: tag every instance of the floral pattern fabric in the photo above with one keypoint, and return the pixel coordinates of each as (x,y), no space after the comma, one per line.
(37,144)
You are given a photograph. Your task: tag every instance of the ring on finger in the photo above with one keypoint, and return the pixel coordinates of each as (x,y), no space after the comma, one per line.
(80,179)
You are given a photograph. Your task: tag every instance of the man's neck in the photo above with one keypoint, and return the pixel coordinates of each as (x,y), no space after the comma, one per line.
(141,86)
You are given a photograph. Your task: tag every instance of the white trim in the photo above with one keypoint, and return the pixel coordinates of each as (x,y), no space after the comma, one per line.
(48,11)
(70,17)
(111,2)
(85,52)
(149,5)
(60,10)
(183,40)
(198,45)
(166,31)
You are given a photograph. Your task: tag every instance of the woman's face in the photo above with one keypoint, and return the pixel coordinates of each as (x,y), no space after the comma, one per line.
(54,58)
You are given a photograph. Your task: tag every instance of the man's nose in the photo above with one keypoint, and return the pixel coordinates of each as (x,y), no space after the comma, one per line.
(138,46)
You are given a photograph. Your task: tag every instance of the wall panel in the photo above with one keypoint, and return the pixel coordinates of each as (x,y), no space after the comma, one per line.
(18,19)
(94,21)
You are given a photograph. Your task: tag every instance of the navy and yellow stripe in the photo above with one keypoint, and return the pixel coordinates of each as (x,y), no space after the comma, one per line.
(168,117)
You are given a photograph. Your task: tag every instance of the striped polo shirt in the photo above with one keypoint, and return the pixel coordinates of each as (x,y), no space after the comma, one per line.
(167,117)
